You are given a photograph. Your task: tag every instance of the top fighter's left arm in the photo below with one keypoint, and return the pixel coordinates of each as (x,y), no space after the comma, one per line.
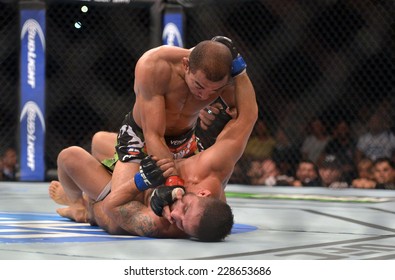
(231,142)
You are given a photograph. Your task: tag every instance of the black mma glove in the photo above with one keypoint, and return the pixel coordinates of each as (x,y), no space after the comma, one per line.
(163,196)
(207,137)
(149,175)
(238,64)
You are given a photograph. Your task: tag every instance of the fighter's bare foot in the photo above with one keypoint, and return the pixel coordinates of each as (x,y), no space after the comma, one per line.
(57,194)
(77,214)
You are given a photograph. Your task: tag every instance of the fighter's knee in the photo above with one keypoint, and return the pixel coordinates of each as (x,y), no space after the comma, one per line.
(69,155)
(103,137)
(97,137)
(103,145)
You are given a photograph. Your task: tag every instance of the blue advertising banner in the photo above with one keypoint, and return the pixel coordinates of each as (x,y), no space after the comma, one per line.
(32,95)
(173,33)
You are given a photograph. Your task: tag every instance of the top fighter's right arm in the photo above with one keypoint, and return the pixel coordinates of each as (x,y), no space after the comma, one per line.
(152,78)
(133,216)
(151,75)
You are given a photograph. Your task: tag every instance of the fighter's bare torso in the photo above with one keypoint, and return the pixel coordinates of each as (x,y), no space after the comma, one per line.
(160,73)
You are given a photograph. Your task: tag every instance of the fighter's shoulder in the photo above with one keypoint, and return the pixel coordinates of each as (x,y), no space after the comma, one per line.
(165,55)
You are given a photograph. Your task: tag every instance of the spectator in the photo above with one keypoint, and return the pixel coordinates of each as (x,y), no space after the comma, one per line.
(358,125)
(342,146)
(285,153)
(384,174)
(261,144)
(255,173)
(365,179)
(315,142)
(331,174)
(378,142)
(239,174)
(306,174)
(9,165)
(365,168)
(267,173)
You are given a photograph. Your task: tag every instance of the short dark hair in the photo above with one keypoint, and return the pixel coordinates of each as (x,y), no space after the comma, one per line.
(216,222)
(384,159)
(309,161)
(212,58)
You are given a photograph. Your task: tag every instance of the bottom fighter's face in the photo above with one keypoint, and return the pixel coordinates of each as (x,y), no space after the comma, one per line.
(186,213)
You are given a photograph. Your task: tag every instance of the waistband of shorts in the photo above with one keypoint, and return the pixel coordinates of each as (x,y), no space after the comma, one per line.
(176,141)
(105,192)
(171,141)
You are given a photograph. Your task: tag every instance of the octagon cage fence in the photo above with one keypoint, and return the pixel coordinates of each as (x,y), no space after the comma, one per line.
(328,60)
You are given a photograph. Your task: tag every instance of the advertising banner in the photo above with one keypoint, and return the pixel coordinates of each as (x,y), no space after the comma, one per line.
(173,26)
(32,95)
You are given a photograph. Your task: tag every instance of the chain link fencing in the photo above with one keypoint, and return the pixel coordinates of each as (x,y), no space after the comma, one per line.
(9,59)
(330,60)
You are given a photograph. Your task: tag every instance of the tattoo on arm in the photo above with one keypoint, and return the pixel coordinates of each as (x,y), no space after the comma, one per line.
(136,220)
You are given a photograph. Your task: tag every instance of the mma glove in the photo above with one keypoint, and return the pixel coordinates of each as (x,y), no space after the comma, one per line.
(149,176)
(238,64)
(166,195)
(207,137)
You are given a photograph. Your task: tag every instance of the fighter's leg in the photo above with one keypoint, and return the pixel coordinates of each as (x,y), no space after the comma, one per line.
(75,213)
(103,145)
(57,193)
(79,172)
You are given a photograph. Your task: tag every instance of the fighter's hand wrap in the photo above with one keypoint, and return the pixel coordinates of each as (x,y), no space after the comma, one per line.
(163,196)
(174,181)
(149,176)
(238,64)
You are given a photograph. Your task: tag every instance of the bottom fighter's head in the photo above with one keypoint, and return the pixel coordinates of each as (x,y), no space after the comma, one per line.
(200,216)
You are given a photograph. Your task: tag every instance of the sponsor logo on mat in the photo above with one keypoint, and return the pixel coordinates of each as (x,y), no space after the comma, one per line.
(51,228)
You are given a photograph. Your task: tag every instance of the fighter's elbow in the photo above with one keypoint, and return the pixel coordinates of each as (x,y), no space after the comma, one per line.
(252,114)
(109,208)
(113,229)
